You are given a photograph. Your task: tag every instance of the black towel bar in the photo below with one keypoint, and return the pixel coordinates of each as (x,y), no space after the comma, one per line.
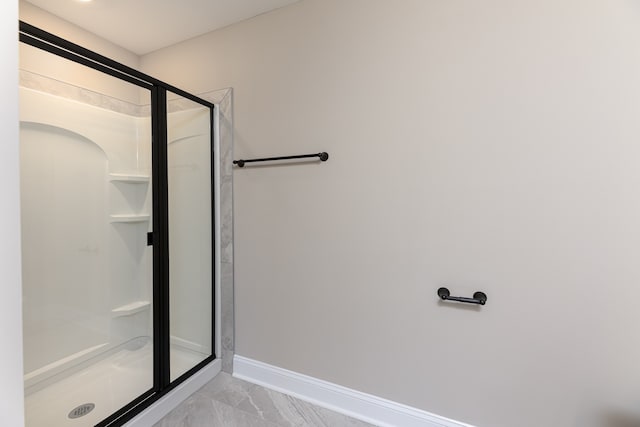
(322,156)
(478,297)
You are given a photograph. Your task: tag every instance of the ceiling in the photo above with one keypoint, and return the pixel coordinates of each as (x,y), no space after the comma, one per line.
(143,26)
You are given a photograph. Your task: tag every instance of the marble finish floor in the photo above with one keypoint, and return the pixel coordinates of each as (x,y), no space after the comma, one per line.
(230,402)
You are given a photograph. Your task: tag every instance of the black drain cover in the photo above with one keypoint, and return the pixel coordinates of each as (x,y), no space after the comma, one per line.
(81,410)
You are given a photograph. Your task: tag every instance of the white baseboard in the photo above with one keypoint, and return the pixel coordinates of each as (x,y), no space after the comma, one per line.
(171,400)
(355,404)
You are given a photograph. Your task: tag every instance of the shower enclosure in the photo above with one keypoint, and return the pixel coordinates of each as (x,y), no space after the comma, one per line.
(117,235)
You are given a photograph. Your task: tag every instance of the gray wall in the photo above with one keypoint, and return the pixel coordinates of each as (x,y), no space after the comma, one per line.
(58,26)
(483,145)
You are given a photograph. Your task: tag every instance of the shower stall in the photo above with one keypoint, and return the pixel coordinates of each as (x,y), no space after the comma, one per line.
(117,199)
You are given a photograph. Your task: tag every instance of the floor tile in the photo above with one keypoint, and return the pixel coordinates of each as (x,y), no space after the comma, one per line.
(228,401)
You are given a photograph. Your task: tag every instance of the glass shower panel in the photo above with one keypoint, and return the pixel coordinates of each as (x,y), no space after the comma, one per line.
(190,233)
(87,270)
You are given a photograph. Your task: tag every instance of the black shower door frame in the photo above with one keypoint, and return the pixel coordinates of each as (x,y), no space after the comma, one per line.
(159,237)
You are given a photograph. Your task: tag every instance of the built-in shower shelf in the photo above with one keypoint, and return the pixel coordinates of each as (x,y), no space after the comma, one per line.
(129,218)
(129,309)
(130,178)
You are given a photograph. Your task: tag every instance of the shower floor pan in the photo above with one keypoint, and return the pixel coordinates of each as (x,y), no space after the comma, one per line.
(109,384)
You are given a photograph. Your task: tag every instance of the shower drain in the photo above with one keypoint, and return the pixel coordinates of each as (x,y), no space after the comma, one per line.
(81,410)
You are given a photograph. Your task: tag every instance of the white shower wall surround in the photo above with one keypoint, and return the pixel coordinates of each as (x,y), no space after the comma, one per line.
(91,179)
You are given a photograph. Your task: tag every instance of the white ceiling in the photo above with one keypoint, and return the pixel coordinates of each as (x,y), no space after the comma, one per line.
(143,26)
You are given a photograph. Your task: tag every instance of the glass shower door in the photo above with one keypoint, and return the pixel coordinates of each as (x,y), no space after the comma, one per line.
(87,270)
(190,171)
(117,235)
